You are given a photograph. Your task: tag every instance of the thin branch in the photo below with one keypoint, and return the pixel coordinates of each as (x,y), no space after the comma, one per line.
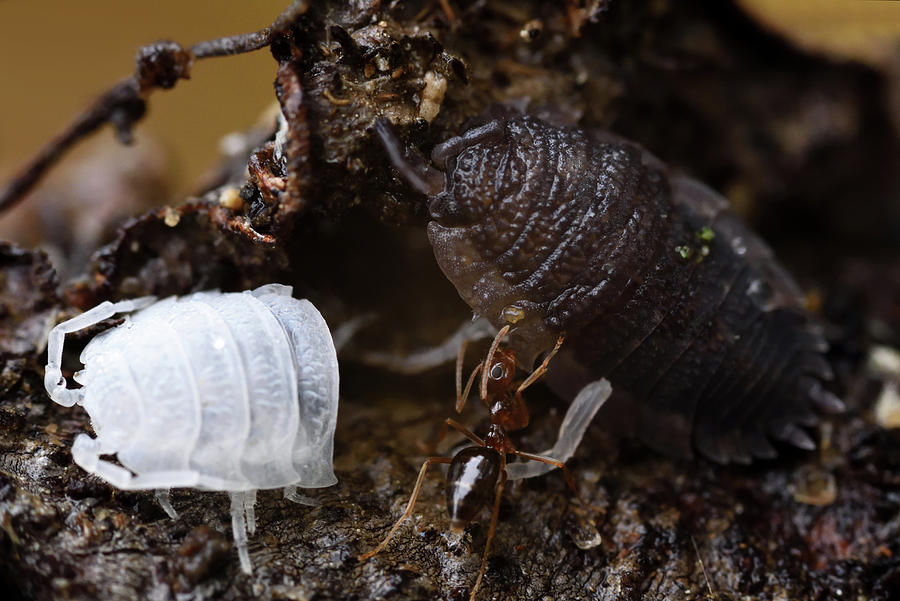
(159,65)
(122,99)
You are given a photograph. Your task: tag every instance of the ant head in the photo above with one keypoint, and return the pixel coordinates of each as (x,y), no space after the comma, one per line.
(500,372)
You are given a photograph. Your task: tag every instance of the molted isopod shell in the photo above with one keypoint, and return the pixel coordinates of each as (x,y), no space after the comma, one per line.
(232,392)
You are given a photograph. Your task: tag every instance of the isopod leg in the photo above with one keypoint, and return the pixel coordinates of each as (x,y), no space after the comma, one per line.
(409,506)
(239,528)
(277,289)
(431,357)
(243,521)
(291,494)
(452,147)
(53,379)
(345,332)
(86,453)
(162,497)
(250,509)
(490,535)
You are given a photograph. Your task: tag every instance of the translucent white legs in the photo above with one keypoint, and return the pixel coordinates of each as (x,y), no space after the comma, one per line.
(291,494)
(86,452)
(445,352)
(162,497)
(243,520)
(574,424)
(53,380)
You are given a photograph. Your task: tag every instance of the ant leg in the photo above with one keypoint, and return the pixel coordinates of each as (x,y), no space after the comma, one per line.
(409,506)
(448,11)
(541,369)
(450,422)
(486,370)
(570,481)
(490,536)
(459,428)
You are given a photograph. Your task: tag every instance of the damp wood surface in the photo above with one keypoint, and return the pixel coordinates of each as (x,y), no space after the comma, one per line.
(804,145)
(68,535)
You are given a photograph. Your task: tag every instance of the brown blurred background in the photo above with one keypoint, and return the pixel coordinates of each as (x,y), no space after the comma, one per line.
(56,56)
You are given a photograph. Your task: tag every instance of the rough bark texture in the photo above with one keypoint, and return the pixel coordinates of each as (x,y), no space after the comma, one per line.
(805,147)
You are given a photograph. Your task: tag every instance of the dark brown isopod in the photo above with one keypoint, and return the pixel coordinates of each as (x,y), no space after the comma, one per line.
(655,284)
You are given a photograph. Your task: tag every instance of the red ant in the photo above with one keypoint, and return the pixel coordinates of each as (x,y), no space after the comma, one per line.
(476,472)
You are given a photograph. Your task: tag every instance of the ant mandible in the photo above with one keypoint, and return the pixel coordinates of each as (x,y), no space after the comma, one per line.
(477,472)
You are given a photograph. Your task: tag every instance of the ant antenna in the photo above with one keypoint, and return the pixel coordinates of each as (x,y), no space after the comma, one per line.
(486,370)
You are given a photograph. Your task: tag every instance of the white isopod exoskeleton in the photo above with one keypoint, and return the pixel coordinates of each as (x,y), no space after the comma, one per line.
(234,392)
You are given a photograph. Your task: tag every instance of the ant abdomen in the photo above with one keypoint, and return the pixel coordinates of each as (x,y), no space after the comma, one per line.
(471,480)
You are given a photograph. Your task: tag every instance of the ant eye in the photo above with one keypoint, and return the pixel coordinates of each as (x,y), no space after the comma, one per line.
(498,371)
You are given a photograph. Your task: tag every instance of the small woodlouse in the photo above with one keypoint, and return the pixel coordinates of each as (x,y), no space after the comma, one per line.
(235,392)
(655,283)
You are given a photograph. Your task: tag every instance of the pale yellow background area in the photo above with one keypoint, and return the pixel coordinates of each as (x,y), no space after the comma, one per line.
(866,30)
(56,56)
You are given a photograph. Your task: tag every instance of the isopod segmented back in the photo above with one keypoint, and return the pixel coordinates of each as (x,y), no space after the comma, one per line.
(216,384)
(655,284)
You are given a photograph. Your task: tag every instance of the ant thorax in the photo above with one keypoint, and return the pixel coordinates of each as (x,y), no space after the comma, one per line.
(509,412)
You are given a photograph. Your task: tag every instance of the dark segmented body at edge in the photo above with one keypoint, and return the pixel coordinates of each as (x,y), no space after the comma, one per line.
(655,283)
